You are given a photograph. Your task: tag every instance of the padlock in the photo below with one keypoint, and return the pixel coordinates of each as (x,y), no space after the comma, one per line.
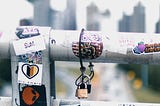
(89,88)
(88,85)
(81,91)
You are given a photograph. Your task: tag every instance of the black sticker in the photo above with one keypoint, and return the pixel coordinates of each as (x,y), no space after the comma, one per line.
(33,96)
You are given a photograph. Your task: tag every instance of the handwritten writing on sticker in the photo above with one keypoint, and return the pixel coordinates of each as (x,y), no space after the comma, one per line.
(31,30)
(25,32)
(29,45)
(89,37)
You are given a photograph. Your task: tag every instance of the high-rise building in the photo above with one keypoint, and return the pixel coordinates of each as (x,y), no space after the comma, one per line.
(45,16)
(124,24)
(158,27)
(42,12)
(135,22)
(70,15)
(57,19)
(93,17)
(158,24)
(25,22)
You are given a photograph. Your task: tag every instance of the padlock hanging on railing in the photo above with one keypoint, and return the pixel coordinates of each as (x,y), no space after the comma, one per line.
(82,91)
(84,85)
(83,88)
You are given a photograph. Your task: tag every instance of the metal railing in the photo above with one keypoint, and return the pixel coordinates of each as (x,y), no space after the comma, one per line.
(62,45)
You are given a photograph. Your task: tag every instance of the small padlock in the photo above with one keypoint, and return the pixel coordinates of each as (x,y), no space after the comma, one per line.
(89,88)
(89,85)
(82,92)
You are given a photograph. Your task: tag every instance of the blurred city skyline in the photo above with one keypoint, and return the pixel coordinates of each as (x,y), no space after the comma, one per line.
(20,9)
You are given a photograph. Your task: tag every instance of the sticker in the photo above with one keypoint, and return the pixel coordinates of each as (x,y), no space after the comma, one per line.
(91,46)
(30,73)
(25,32)
(34,57)
(29,45)
(148,48)
(126,104)
(89,37)
(33,96)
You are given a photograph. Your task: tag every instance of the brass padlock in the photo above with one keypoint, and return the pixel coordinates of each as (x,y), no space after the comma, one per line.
(81,91)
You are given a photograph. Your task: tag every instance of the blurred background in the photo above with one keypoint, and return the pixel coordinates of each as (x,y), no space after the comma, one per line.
(112,82)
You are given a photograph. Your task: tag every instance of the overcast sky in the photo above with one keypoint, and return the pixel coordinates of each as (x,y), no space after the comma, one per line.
(14,10)
(116,7)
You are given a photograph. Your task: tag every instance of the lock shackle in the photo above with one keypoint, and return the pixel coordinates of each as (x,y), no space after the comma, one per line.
(83,78)
(78,80)
(86,78)
(91,70)
(80,53)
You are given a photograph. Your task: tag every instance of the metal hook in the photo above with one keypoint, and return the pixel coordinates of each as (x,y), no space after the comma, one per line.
(91,70)
(76,82)
(16,102)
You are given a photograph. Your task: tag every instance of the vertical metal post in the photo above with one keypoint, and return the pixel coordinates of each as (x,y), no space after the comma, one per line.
(52,80)
(52,74)
(144,73)
(14,68)
(46,70)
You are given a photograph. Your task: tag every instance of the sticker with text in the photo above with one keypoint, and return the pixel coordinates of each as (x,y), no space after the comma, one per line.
(91,46)
(126,104)
(29,45)
(146,48)
(30,73)
(27,31)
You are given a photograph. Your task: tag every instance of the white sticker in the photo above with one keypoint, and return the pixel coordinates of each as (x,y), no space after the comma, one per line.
(30,73)
(29,45)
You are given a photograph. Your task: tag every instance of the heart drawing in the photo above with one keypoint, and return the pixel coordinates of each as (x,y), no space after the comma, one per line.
(30,71)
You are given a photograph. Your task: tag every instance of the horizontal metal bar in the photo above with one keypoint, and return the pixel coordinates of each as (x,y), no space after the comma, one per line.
(6,101)
(125,48)
(117,47)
